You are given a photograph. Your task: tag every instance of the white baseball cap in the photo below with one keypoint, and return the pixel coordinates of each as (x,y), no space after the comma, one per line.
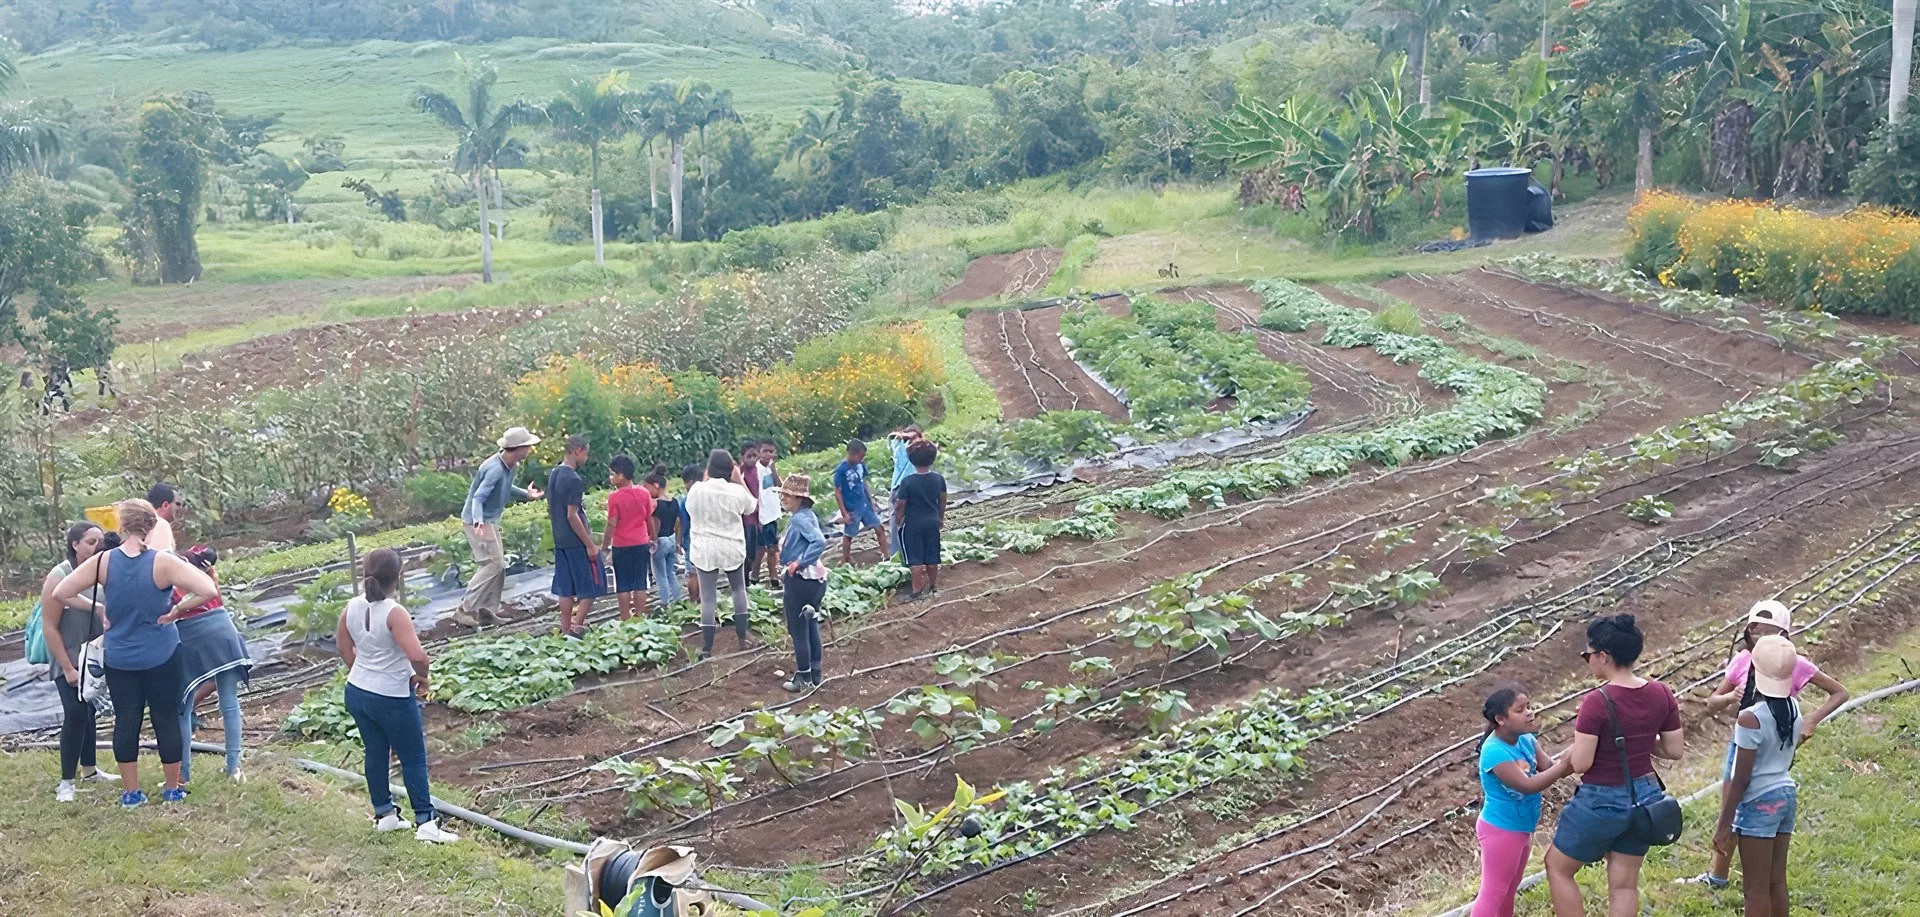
(1768,611)
(1774,659)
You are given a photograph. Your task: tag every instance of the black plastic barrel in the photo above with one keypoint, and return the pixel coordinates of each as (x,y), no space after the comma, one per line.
(1497,202)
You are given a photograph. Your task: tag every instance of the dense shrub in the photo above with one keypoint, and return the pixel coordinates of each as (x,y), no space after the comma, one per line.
(1653,232)
(1862,261)
(1890,175)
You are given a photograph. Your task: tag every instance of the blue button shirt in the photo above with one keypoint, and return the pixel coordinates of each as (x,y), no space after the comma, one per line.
(487,495)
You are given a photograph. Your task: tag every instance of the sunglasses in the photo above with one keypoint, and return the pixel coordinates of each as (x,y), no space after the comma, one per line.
(1588,655)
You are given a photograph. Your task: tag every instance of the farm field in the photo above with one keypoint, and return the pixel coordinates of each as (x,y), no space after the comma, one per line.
(1254,687)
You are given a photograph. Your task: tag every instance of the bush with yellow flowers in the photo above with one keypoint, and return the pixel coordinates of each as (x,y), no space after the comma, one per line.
(1863,261)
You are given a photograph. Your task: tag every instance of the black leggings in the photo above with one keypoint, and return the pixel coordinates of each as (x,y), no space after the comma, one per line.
(78,731)
(139,691)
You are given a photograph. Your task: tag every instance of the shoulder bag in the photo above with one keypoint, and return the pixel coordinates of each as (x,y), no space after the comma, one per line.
(1657,821)
(92,660)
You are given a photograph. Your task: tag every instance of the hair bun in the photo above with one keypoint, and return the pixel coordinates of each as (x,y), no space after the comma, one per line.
(1623,619)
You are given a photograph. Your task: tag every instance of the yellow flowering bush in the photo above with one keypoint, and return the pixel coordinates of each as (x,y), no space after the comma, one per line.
(854,383)
(1861,261)
(344,502)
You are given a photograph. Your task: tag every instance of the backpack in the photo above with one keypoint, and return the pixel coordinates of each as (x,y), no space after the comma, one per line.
(37,639)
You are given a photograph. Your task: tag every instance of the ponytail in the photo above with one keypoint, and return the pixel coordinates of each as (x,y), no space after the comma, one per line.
(1497,704)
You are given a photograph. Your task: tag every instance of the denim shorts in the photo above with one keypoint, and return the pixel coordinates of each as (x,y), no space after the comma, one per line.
(1768,814)
(859,519)
(1597,820)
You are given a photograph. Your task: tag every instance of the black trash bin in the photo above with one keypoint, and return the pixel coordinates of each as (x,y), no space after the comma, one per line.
(1497,202)
(1539,208)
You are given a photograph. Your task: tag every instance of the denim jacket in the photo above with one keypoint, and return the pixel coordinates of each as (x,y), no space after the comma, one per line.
(803,543)
(487,495)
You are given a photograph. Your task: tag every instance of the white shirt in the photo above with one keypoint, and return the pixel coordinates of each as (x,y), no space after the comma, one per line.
(718,539)
(379,665)
(769,496)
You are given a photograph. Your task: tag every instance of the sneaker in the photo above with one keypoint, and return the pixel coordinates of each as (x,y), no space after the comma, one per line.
(1706,878)
(174,794)
(390,822)
(100,776)
(63,792)
(574,634)
(800,682)
(432,833)
(133,799)
(237,776)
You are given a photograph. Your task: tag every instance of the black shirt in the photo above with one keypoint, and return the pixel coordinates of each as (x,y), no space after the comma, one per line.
(666,511)
(565,488)
(924,495)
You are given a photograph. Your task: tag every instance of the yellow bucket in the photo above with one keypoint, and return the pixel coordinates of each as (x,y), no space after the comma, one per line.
(106,517)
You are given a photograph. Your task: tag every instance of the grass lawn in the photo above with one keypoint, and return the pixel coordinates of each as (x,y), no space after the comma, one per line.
(1855,846)
(284,842)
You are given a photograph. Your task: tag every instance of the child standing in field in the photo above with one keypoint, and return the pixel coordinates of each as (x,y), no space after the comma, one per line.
(770,513)
(856,501)
(749,465)
(1513,772)
(1759,801)
(1737,690)
(689,476)
(666,541)
(629,535)
(920,503)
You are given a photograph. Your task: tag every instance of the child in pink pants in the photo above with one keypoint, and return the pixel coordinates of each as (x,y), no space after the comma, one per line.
(1513,771)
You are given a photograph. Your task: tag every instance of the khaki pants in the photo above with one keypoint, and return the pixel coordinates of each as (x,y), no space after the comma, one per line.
(482,602)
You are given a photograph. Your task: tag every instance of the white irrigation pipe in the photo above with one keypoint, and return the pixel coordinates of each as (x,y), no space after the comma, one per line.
(1703,792)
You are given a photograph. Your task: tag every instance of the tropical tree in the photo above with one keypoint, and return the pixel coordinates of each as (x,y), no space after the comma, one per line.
(1516,130)
(675,110)
(171,148)
(1417,20)
(1626,53)
(1900,83)
(591,113)
(811,135)
(44,258)
(484,131)
(24,138)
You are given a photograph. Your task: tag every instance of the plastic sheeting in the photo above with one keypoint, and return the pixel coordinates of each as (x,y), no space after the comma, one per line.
(31,704)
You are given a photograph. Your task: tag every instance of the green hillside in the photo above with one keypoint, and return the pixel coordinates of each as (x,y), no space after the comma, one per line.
(360,91)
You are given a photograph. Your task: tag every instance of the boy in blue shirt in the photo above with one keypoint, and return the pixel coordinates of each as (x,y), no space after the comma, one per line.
(856,501)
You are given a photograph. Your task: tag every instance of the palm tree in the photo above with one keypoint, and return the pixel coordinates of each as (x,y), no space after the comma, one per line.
(593,113)
(810,136)
(1901,78)
(674,110)
(715,107)
(24,138)
(1418,19)
(484,133)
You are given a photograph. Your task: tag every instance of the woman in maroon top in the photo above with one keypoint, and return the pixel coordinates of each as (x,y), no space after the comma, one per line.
(1594,825)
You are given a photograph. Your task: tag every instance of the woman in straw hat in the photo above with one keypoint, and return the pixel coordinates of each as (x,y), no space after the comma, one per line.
(803,580)
(1758,802)
(1737,690)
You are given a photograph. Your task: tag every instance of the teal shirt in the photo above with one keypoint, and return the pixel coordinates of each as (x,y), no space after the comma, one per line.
(1505,807)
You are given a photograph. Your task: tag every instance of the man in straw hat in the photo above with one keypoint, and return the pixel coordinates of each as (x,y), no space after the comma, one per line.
(486,500)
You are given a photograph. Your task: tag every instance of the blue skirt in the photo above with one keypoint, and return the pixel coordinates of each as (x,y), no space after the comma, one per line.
(209,645)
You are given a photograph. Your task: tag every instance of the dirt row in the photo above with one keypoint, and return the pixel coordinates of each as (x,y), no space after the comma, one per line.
(1003,276)
(1018,352)
(1035,588)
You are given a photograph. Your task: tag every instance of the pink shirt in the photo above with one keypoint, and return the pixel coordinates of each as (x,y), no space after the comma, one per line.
(1742,662)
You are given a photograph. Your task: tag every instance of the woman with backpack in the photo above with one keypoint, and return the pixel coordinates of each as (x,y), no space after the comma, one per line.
(1737,690)
(65,627)
(145,670)
(1617,776)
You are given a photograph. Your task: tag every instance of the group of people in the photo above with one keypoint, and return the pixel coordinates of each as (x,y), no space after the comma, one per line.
(129,621)
(1620,728)
(725,532)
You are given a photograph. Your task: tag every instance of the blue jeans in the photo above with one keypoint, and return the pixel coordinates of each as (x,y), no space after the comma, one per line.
(1597,821)
(667,584)
(390,727)
(798,594)
(227,686)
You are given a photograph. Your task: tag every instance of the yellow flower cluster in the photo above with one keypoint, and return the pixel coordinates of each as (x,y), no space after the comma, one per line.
(344,502)
(1861,261)
(894,367)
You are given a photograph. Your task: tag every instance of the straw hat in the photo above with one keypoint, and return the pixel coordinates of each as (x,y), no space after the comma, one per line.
(797,485)
(1773,661)
(1768,611)
(518,437)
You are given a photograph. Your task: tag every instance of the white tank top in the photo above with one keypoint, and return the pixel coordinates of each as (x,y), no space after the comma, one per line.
(379,667)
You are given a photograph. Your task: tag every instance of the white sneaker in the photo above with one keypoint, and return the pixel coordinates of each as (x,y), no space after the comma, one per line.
(390,822)
(63,792)
(100,776)
(431,832)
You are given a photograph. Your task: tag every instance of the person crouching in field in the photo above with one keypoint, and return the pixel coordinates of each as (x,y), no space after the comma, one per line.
(1513,772)
(920,502)
(1760,798)
(1736,690)
(629,538)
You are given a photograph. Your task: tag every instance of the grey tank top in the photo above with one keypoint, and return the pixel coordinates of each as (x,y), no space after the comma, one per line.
(379,667)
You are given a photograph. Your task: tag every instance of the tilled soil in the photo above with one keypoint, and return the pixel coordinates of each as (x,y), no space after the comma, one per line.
(1005,276)
(1018,352)
(159,313)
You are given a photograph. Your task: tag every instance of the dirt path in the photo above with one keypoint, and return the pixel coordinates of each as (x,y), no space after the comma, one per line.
(1003,276)
(1018,352)
(160,313)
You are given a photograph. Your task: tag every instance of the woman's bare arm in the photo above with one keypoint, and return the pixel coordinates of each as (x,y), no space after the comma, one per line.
(1580,756)
(400,624)
(1671,745)
(343,641)
(50,611)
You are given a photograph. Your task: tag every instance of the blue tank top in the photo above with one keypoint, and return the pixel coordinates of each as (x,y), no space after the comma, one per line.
(135,639)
